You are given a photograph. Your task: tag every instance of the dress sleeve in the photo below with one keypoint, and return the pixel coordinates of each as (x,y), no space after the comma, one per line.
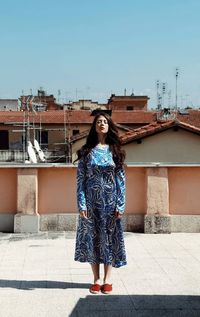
(81,172)
(121,189)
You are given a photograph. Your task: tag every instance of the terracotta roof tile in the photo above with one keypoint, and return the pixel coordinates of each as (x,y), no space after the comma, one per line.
(192,118)
(154,128)
(84,116)
(134,116)
(79,116)
(48,117)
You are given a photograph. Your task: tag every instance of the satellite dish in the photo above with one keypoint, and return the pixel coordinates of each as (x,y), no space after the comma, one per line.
(41,155)
(36,145)
(31,153)
(27,162)
(39,151)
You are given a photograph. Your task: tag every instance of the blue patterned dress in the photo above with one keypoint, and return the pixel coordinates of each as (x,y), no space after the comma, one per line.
(100,191)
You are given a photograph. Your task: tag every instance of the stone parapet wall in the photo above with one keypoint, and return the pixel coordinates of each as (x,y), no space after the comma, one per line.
(43,198)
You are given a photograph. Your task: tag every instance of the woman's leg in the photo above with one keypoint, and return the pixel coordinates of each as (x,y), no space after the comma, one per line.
(107,274)
(96,273)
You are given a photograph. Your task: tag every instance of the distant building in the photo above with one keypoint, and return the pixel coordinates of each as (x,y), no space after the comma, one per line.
(171,141)
(41,102)
(9,105)
(128,103)
(60,133)
(84,104)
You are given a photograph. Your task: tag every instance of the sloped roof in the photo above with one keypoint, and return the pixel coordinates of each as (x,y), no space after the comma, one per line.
(76,116)
(123,127)
(84,117)
(192,118)
(136,116)
(154,128)
(47,117)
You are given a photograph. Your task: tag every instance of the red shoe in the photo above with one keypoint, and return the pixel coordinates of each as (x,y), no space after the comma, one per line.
(95,288)
(106,288)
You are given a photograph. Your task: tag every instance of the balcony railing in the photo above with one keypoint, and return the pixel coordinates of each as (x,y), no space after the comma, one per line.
(18,156)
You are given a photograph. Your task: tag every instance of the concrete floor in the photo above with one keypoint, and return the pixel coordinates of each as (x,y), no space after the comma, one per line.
(38,277)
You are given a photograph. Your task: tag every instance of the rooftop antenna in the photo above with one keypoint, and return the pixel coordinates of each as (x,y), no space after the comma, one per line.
(163,92)
(125,92)
(158,94)
(176,74)
(59,94)
(169,98)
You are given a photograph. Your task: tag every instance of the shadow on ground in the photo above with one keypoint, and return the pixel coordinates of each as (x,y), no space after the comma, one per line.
(137,306)
(31,285)
(116,305)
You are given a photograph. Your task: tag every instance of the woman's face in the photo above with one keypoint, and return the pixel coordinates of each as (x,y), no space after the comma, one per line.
(102,125)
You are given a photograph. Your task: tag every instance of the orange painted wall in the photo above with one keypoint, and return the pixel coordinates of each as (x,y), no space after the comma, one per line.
(8,190)
(135,190)
(56,190)
(184,190)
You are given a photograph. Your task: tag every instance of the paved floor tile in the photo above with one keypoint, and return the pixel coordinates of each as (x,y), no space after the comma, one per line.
(38,277)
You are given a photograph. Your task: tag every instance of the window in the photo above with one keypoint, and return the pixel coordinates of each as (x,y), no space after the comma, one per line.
(74,132)
(129,108)
(44,137)
(4,142)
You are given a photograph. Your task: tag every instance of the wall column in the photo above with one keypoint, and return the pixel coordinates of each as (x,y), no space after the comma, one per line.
(27,218)
(157,219)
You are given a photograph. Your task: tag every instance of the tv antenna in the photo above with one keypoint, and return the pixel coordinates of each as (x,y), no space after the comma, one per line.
(163,92)
(169,98)
(59,94)
(157,94)
(176,75)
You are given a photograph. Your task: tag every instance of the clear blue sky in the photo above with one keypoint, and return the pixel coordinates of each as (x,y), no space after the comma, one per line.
(90,48)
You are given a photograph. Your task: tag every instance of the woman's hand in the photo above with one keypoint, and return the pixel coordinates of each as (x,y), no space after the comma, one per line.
(118,215)
(84,214)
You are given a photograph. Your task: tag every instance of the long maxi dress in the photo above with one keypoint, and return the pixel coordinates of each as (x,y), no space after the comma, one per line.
(100,191)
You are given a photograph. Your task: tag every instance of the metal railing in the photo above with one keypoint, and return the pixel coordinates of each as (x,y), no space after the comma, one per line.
(18,156)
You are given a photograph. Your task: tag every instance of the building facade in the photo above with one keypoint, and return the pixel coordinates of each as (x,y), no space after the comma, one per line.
(128,103)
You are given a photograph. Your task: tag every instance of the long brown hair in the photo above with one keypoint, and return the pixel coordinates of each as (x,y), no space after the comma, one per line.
(112,139)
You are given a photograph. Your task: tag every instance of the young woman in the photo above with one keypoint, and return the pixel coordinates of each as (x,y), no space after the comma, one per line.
(101,202)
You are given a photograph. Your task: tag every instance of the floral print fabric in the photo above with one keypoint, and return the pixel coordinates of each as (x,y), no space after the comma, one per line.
(100,191)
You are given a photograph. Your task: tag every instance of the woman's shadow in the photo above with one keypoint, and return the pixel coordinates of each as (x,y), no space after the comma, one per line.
(33,284)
